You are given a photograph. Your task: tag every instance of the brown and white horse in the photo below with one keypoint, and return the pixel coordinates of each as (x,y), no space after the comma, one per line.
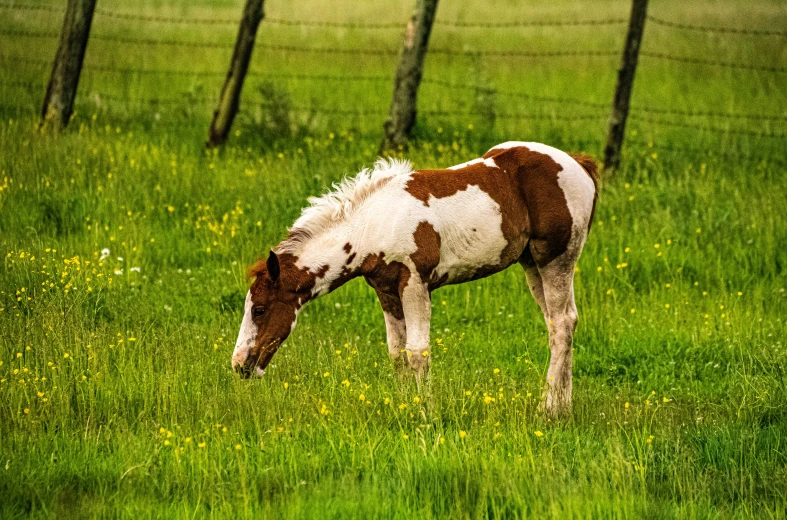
(410,232)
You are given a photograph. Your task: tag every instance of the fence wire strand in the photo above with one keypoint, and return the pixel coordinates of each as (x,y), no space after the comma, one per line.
(708,29)
(716,63)
(320,23)
(706,128)
(710,113)
(707,153)
(323,50)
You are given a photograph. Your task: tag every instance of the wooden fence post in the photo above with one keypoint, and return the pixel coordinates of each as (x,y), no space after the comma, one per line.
(408,75)
(229,100)
(628,67)
(64,80)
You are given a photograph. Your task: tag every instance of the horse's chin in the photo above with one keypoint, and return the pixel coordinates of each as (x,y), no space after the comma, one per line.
(247,371)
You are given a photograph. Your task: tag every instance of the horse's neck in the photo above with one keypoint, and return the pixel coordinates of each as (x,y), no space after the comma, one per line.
(329,248)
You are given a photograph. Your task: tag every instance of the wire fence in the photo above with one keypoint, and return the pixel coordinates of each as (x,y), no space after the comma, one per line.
(719,30)
(399,24)
(395,52)
(643,114)
(323,50)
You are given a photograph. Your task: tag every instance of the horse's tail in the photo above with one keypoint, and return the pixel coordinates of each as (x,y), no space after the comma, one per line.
(591,167)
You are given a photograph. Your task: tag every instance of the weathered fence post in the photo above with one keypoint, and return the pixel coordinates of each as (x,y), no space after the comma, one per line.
(408,75)
(229,100)
(63,82)
(628,67)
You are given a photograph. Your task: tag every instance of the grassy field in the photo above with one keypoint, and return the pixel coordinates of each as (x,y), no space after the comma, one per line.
(116,394)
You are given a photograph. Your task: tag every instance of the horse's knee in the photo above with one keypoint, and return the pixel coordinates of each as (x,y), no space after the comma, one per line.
(572,317)
(561,326)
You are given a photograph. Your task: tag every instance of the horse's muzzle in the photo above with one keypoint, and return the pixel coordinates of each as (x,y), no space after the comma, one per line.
(249,369)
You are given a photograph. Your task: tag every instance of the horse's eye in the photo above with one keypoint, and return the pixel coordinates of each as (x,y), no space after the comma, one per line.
(256,312)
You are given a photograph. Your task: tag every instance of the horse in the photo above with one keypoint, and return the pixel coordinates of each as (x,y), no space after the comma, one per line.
(409,232)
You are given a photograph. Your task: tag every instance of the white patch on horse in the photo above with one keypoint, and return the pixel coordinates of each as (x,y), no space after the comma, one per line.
(507,145)
(488,162)
(469,224)
(246,336)
(341,203)
(471,235)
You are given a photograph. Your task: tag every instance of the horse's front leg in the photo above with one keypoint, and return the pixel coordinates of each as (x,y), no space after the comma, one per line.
(395,329)
(417,307)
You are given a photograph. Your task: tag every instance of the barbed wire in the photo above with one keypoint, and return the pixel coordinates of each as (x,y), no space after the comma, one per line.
(213,73)
(30,34)
(705,28)
(487,89)
(349,78)
(97,96)
(523,95)
(184,100)
(21,83)
(706,128)
(448,23)
(335,25)
(320,23)
(13,6)
(526,54)
(324,50)
(393,52)
(516,115)
(398,25)
(166,19)
(717,63)
(533,23)
(707,154)
(710,113)
(429,112)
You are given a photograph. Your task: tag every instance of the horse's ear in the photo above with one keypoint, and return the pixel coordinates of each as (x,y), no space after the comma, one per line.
(273,266)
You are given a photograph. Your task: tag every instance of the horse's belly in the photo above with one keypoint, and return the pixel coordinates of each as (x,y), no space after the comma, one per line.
(472,240)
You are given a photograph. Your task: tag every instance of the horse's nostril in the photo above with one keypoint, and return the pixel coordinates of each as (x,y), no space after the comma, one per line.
(243,370)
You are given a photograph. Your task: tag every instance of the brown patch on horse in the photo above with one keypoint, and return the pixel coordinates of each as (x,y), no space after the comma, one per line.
(535,176)
(498,183)
(257,269)
(591,167)
(347,248)
(350,259)
(427,250)
(386,277)
(391,304)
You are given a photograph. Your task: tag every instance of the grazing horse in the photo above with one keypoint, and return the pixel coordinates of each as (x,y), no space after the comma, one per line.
(409,232)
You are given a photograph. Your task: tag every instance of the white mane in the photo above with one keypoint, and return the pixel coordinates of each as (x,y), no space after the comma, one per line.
(339,204)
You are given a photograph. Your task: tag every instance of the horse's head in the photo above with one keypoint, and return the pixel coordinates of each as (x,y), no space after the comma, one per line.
(269,316)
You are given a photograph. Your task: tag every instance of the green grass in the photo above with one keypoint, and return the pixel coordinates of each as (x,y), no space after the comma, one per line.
(117,395)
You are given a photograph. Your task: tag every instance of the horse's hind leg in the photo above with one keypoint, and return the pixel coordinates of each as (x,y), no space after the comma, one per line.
(557,279)
(534,281)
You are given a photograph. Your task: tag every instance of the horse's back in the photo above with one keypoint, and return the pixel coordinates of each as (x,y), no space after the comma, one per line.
(481,215)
